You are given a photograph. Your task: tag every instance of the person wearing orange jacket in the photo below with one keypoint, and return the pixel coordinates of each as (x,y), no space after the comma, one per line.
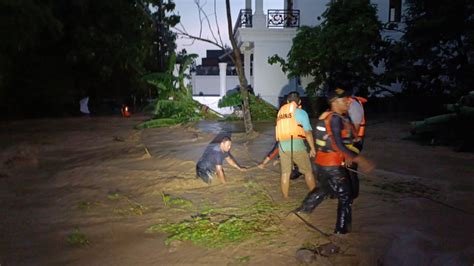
(334,132)
(292,128)
(357,116)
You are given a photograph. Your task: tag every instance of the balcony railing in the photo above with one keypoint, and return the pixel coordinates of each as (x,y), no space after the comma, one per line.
(276,18)
(244,20)
(283,18)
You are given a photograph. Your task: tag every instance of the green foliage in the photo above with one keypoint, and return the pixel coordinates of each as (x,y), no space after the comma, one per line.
(160,122)
(243,259)
(203,231)
(434,57)
(113,196)
(131,207)
(215,228)
(53,53)
(77,238)
(87,205)
(174,104)
(342,49)
(175,201)
(185,61)
(260,110)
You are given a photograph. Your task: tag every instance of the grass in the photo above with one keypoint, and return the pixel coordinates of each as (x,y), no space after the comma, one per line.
(170,201)
(87,205)
(243,259)
(77,238)
(113,196)
(213,227)
(132,208)
(159,122)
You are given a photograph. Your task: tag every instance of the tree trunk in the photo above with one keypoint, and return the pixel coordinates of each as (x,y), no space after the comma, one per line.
(240,72)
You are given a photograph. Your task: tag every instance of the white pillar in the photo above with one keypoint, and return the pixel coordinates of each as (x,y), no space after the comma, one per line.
(247,62)
(223,77)
(193,83)
(258,7)
(259,19)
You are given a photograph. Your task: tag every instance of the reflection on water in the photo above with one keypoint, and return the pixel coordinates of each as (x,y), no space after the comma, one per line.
(216,127)
(219,127)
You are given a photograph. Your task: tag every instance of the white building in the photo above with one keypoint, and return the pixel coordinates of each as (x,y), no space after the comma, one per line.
(261,34)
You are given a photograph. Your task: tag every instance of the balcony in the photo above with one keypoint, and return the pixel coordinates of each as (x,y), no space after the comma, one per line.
(276,18)
(283,18)
(244,20)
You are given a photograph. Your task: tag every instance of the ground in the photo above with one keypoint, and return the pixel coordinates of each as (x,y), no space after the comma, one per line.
(98,182)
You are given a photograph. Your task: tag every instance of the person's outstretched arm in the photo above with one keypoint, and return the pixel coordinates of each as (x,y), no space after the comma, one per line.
(232,162)
(220,173)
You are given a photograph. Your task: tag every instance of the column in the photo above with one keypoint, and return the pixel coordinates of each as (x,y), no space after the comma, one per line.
(193,83)
(259,19)
(258,7)
(223,77)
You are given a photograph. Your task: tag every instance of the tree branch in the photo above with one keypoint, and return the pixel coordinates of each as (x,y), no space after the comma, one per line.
(189,36)
(382,88)
(218,28)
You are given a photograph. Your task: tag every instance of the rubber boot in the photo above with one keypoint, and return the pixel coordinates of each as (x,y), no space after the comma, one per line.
(344,208)
(312,200)
(354,180)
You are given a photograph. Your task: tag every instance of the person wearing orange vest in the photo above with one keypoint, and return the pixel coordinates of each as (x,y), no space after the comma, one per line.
(292,128)
(334,134)
(357,117)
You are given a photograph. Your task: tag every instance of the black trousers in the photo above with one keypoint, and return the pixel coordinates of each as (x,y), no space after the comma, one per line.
(334,181)
(205,174)
(354,177)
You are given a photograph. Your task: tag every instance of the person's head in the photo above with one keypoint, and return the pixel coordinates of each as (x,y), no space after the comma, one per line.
(293,96)
(339,99)
(226,144)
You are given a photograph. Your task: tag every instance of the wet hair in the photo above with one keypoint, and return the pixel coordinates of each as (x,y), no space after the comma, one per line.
(293,96)
(226,138)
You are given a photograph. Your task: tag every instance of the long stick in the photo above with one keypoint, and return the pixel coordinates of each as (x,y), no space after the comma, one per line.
(310,225)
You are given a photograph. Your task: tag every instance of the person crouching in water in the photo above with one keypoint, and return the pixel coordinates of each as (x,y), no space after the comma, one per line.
(210,163)
(333,131)
(292,127)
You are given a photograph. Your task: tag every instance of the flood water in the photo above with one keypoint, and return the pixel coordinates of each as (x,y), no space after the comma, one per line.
(229,127)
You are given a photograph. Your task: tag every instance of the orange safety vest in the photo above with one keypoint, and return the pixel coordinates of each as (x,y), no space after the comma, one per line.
(327,153)
(362,101)
(286,126)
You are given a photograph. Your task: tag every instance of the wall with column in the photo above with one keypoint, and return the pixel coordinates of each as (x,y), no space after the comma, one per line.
(269,81)
(310,10)
(210,85)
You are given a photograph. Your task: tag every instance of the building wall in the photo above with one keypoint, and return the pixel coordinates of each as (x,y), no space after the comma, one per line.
(209,85)
(269,81)
(310,10)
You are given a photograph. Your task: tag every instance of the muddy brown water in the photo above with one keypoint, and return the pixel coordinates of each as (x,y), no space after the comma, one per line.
(49,168)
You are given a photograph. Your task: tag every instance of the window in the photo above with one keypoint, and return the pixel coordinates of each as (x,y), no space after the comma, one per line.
(395,11)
